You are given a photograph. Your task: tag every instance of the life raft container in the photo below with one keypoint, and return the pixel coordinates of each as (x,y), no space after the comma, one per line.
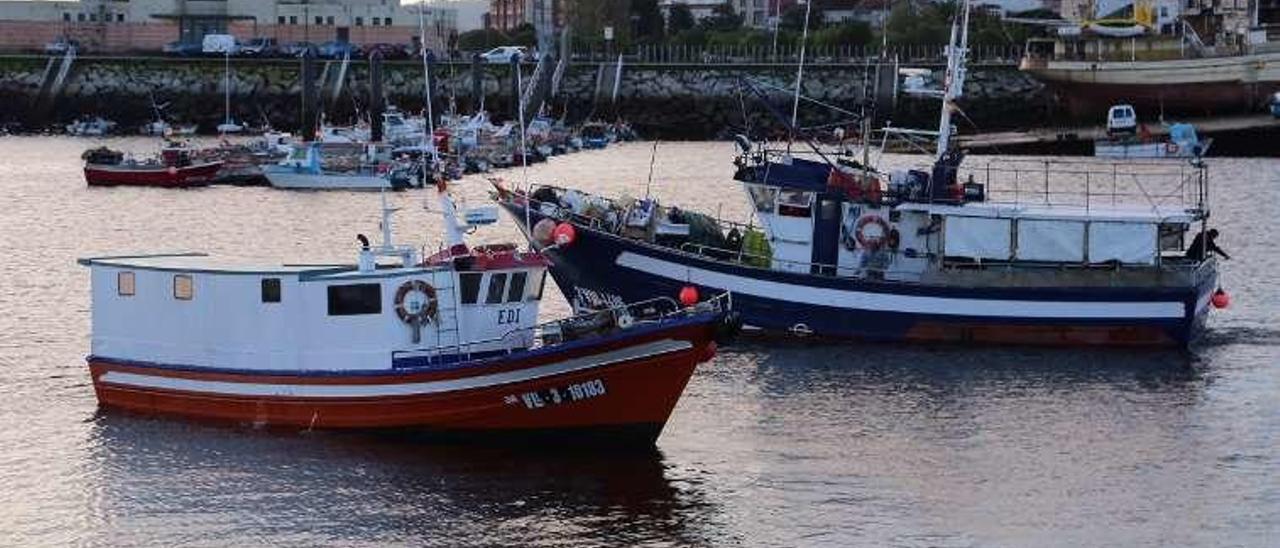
(418,310)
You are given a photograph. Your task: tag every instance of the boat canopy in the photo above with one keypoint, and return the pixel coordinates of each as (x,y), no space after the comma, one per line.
(793,173)
(1183,133)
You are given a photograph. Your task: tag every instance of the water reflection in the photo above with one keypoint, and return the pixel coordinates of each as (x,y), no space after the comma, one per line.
(181,482)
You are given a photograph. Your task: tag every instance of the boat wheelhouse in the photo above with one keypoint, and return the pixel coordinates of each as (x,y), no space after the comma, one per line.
(449,345)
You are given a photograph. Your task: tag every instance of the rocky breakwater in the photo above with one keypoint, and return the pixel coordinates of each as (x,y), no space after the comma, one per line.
(669,101)
(699,101)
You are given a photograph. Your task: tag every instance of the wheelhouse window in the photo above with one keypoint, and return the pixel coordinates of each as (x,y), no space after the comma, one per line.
(355,299)
(795,203)
(497,284)
(535,290)
(125,284)
(359,21)
(515,290)
(183,287)
(470,282)
(271,290)
(763,197)
(280,19)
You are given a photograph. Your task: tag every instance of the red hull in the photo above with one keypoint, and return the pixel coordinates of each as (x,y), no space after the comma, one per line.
(161,176)
(624,385)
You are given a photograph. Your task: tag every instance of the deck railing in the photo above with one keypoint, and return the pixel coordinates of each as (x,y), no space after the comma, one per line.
(1083,182)
(620,316)
(1090,184)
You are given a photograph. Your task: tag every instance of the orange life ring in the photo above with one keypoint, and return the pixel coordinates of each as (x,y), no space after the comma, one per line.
(424,312)
(866,242)
(1171,148)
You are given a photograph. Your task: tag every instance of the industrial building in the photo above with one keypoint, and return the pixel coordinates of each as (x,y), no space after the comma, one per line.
(116,26)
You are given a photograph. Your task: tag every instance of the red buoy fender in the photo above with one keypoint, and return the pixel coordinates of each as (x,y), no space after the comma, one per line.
(428,310)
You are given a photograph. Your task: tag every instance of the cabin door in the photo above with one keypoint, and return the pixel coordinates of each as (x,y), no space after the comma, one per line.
(826,237)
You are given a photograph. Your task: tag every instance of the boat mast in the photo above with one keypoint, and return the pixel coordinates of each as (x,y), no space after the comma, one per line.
(795,105)
(524,146)
(429,138)
(953,85)
(226,84)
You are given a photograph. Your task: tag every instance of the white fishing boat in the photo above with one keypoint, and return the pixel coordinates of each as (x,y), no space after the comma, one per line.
(95,126)
(307,168)
(447,345)
(1116,29)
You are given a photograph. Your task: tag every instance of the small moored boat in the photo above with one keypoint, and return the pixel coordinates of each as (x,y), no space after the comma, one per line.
(174,168)
(449,345)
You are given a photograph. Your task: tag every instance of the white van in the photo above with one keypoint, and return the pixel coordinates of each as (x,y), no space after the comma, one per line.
(221,44)
(1121,119)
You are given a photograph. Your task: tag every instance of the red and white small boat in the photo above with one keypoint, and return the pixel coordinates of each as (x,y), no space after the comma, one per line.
(448,345)
(174,168)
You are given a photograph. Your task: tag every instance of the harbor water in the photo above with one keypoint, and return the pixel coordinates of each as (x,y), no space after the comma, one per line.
(790,443)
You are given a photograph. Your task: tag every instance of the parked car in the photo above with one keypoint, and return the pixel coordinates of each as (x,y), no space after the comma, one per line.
(219,44)
(296,49)
(60,46)
(338,50)
(182,49)
(260,47)
(504,54)
(391,51)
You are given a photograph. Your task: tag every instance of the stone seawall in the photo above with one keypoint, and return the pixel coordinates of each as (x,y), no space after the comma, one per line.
(668,101)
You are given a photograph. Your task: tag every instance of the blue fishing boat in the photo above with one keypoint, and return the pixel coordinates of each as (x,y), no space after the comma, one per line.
(1018,252)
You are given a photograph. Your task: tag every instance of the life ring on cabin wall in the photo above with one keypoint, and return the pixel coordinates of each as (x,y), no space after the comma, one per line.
(872,242)
(416,302)
(1171,148)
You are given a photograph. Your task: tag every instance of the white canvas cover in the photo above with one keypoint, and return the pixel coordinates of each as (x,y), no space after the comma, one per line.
(977,238)
(1130,243)
(1050,241)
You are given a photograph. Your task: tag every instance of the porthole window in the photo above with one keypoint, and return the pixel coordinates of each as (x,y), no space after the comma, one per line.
(125,284)
(183,287)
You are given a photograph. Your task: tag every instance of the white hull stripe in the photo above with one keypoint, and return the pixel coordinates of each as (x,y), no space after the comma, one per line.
(909,304)
(650,349)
